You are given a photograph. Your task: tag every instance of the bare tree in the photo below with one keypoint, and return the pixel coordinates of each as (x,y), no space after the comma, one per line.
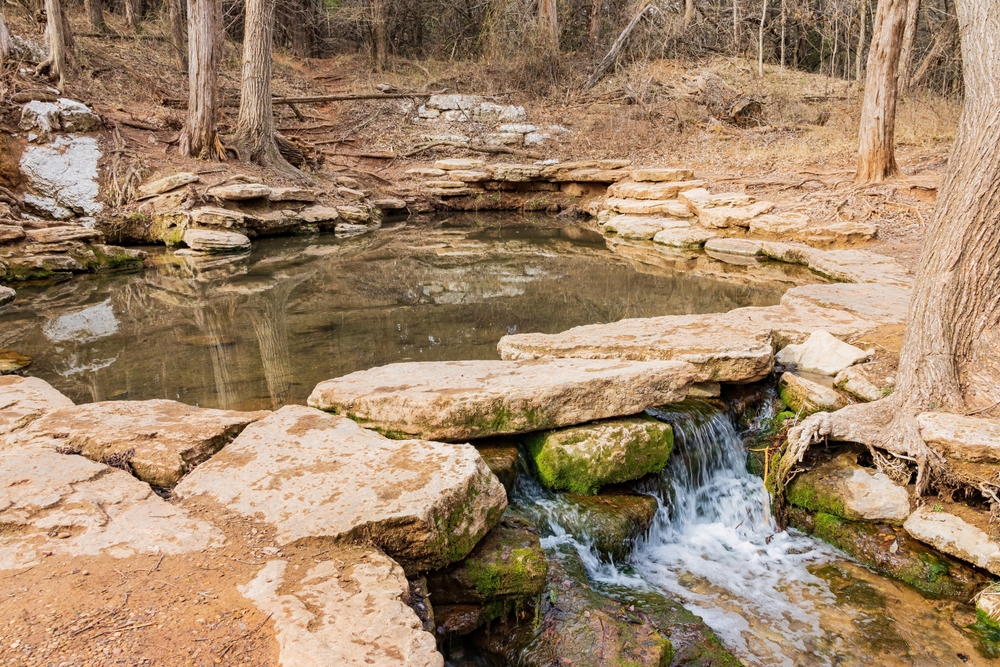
(952,340)
(380,34)
(133,13)
(909,42)
(876,149)
(595,23)
(689,12)
(255,126)
(176,11)
(200,137)
(57,31)
(944,39)
(95,14)
(548,20)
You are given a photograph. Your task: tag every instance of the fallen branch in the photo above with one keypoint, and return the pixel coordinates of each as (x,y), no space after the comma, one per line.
(616,48)
(502,150)
(179,103)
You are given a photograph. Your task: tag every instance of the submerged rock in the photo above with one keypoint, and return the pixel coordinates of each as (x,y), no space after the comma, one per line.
(641,228)
(25,399)
(50,502)
(806,397)
(457,400)
(843,488)
(957,536)
(610,522)
(585,458)
(312,475)
(501,456)
(891,552)
(822,354)
(963,438)
(583,626)
(350,609)
(158,441)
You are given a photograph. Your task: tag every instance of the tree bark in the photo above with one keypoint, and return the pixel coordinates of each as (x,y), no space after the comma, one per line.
(861,41)
(5,42)
(950,359)
(760,40)
(943,40)
(133,13)
(548,19)
(595,23)
(200,137)
(177,33)
(876,150)
(57,64)
(380,35)
(95,14)
(688,13)
(909,40)
(255,126)
(304,16)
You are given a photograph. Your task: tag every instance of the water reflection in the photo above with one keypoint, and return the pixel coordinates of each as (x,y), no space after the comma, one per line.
(260,330)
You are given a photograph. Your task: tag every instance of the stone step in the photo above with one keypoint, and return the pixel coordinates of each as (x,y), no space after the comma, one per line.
(972,439)
(292,194)
(311,475)
(560,172)
(885,304)
(457,400)
(669,190)
(662,174)
(641,227)
(729,209)
(239,191)
(159,441)
(214,241)
(692,236)
(648,207)
(351,608)
(964,537)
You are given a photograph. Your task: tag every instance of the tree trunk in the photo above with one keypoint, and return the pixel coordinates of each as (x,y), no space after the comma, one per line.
(950,359)
(943,40)
(548,19)
(133,13)
(200,138)
(861,41)
(909,40)
(380,35)
(57,63)
(255,127)
(595,23)
(612,55)
(876,151)
(760,40)
(688,13)
(177,33)
(784,20)
(5,42)
(304,16)
(95,14)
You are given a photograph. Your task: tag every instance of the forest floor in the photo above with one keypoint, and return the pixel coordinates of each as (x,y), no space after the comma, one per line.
(799,154)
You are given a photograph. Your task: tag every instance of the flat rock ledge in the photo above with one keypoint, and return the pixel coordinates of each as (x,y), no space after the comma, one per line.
(25,399)
(843,488)
(314,475)
(54,503)
(737,346)
(457,400)
(953,535)
(972,439)
(350,609)
(158,440)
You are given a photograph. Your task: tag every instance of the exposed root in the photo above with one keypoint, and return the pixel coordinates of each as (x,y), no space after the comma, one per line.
(883,424)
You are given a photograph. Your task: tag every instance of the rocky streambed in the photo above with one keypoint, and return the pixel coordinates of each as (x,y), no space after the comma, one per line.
(355,479)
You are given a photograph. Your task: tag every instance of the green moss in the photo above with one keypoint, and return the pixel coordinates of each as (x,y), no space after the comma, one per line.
(804,492)
(986,632)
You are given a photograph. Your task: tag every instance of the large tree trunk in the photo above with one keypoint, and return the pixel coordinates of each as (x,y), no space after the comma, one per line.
(5,42)
(133,13)
(944,39)
(58,40)
(177,32)
(380,35)
(303,18)
(909,40)
(876,150)
(95,14)
(255,127)
(548,20)
(200,138)
(950,358)
(595,24)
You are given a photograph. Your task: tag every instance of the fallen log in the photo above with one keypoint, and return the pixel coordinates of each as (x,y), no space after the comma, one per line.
(181,103)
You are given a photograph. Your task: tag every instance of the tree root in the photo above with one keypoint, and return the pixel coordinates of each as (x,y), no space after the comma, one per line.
(883,424)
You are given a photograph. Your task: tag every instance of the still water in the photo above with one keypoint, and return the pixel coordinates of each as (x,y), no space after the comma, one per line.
(261,330)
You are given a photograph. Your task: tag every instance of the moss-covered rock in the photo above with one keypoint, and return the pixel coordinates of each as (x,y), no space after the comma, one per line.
(986,629)
(806,397)
(585,458)
(577,624)
(455,620)
(890,551)
(506,564)
(501,456)
(610,522)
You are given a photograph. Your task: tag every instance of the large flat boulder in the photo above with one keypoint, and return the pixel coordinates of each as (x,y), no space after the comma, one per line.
(214,241)
(159,441)
(822,353)
(691,236)
(585,458)
(314,475)
(963,438)
(843,488)
(956,536)
(166,184)
(727,209)
(456,400)
(649,190)
(641,228)
(54,503)
(883,304)
(647,207)
(792,324)
(661,174)
(350,609)
(25,399)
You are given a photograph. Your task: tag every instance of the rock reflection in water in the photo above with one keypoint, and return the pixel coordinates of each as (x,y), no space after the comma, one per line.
(260,330)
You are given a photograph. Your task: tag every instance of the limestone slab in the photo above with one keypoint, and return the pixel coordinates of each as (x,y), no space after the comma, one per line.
(737,247)
(785,225)
(24,399)
(668,190)
(355,214)
(9,233)
(292,194)
(459,164)
(426,172)
(857,266)
(67,505)
(843,488)
(867,382)
(160,440)
(954,536)
(647,207)
(217,217)
(516,173)
(470,176)
(720,348)
(640,228)
(214,241)
(166,184)
(884,304)
(313,214)
(62,234)
(822,353)
(350,610)
(7,296)
(456,400)
(239,191)
(662,174)
(590,176)
(973,439)
(66,171)
(314,475)
(805,397)
(691,236)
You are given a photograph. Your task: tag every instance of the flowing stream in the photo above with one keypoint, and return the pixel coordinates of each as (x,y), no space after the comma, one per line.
(773,597)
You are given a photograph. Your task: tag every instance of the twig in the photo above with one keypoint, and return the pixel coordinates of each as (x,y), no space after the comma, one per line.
(119,629)
(155,567)
(245,635)
(504,150)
